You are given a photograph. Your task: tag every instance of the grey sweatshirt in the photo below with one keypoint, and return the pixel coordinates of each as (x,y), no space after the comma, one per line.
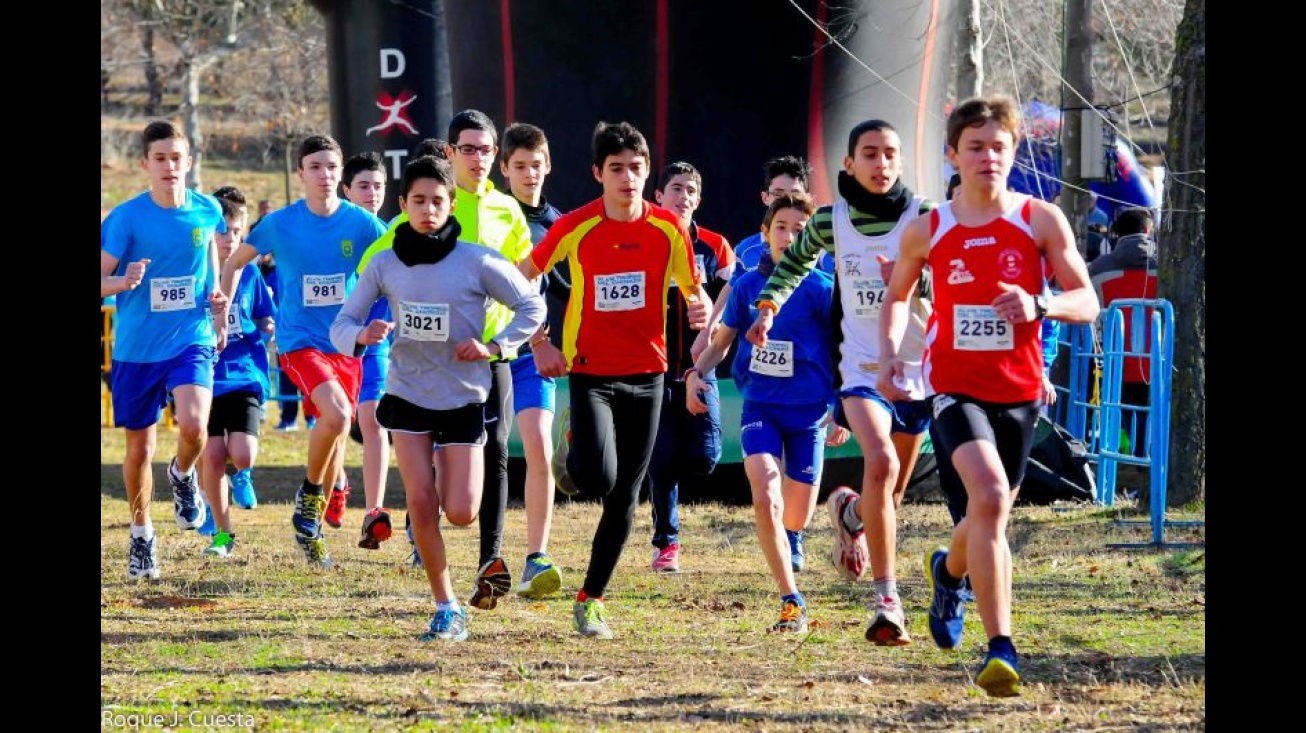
(435,307)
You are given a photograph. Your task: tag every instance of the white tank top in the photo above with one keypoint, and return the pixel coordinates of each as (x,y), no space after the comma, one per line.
(861,293)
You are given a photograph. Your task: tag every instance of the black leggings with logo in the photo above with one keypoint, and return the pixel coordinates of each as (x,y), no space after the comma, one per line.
(614,421)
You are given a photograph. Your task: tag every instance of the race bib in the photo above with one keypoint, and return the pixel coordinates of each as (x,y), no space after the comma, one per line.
(323,290)
(980,328)
(868,298)
(776,360)
(623,291)
(234,321)
(172,293)
(423,321)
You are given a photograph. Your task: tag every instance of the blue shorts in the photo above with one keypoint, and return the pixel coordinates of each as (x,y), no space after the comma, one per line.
(914,416)
(530,388)
(141,389)
(911,417)
(790,431)
(375,370)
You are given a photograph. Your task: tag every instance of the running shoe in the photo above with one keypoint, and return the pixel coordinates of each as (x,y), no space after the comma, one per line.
(590,619)
(314,550)
(242,489)
(1000,675)
(667,559)
(793,618)
(376,529)
(307,519)
(850,554)
(335,510)
(492,582)
(540,579)
(187,503)
(142,559)
(947,605)
(888,625)
(447,625)
(224,544)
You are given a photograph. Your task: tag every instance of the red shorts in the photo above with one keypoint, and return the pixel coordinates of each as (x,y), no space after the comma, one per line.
(309,368)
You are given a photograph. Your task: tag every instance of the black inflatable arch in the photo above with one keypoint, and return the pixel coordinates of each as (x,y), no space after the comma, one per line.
(724,85)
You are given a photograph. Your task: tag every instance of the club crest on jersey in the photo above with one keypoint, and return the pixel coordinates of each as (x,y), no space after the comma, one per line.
(347,247)
(197,238)
(958,274)
(1011,263)
(852,265)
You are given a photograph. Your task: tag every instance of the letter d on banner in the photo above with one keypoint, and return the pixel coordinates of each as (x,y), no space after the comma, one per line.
(392,63)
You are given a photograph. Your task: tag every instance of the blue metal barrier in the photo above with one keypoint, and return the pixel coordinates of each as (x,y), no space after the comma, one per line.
(1151,449)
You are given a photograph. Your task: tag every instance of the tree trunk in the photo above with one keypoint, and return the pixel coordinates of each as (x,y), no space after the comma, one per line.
(970,51)
(190,120)
(1182,243)
(153,82)
(1078,86)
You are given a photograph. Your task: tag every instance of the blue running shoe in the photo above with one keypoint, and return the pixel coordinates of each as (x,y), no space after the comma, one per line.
(1000,675)
(315,551)
(540,578)
(210,527)
(310,422)
(947,605)
(187,503)
(307,519)
(797,557)
(242,489)
(447,625)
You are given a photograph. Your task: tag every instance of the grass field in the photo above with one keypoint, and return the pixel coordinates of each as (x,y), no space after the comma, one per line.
(1110,639)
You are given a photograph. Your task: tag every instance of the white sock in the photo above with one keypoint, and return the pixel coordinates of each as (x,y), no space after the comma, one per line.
(175,471)
(887,588)
(146,531)
(450,605)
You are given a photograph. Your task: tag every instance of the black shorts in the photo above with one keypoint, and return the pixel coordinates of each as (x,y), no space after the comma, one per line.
(460,426)
(959,419)
(235,412)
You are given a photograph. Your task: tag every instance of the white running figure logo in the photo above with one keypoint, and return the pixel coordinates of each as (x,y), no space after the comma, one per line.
(394,116)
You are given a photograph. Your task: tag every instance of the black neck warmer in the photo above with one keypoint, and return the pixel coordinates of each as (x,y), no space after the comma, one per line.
(425,249)
(888,206)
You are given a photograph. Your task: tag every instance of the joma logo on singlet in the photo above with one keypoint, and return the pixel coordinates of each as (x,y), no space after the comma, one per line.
(980,242)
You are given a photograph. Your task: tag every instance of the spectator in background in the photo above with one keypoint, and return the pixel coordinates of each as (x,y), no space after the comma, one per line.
(1129,271)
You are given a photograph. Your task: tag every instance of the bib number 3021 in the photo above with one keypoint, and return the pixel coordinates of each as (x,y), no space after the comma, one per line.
(172,293)
(980,328)
(622,291)
(423,321)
